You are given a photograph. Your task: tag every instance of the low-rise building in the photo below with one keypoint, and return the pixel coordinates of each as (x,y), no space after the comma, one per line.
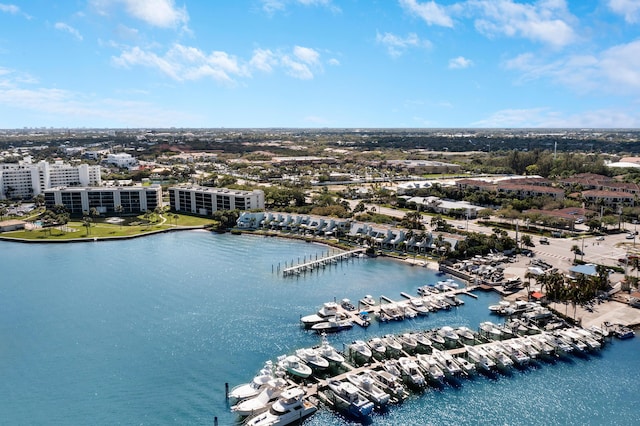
(203,200)
(106,200)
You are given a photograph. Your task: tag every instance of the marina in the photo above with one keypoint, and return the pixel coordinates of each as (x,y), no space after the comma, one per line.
(323,262)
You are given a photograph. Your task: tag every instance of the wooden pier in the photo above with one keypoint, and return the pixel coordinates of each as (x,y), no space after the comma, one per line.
(321,263)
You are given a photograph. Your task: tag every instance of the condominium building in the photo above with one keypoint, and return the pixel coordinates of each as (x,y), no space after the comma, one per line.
(106,200)
(204,200)
(25,180)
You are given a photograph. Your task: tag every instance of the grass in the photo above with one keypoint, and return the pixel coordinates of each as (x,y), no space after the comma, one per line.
(100,229)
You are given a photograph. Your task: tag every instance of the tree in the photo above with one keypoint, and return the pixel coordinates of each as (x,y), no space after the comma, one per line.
(3,212)
(575,249)
(86,221)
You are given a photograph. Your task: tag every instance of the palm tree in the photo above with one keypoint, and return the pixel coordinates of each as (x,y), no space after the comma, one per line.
(575,249)
(86,222)
(176,217)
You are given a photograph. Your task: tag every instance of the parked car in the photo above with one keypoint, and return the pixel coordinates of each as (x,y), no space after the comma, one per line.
(630,236)
(544,240)
(600,238)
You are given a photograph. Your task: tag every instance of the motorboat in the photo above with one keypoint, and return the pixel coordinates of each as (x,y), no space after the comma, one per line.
(453,299)
(503,360)
(329,352)
(253,388)
(500,308)
(393,345)
(295,367)
(408,312)
(368,300)
(588,338)
(290,408)
(366,383)
(262,401)
(465,334)
(448,284)
(599,332)
(516,352)
(451,338)
(468,367)
(360,351)
(490,330)
(411,372)
(426,290)
(572,339)
(418,305)
(431,367)
(529,347)
(312,358)
(391,311)
(424,344)
(392,367)
(544,347)
(332,325)
(480,358)
(560,346)
(436,339)
(348,397)
(446,361)
(390,384)
(378,348)
(328,309)
(347,305)
(408,343)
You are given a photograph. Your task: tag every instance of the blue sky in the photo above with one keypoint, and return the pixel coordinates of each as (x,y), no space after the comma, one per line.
(320,63)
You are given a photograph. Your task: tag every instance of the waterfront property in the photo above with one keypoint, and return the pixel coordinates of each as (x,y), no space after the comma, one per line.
(203,200)
(133,199)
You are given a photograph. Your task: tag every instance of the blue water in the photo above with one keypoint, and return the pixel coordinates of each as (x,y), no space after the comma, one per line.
(148,331)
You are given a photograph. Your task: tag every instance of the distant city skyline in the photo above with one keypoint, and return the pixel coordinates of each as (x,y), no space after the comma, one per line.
(320,63)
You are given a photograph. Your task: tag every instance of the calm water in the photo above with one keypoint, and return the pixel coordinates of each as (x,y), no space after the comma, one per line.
(148,331)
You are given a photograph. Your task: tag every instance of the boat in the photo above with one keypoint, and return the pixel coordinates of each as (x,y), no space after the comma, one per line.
(261,402)
(436,339)
(368,300)
(253,388)
(394,347)
(294,366)
(431,367)
(329,352)
(390,384)
(378,348)
(516,352)
(328,309)
(623,332)
(480,358)
(468,367)
(530,348)
(599,332)
(408,343)
(332,325)
(572,339)
(360,351)
(448,284)
(408,312)
(465,334)
(312,358)
(426,290)
(347,305)
(490,330)
(290,408)
(588,337)
(543,346)
(503,360)
(366,383)
(348,397)
(365,318)
(391,311)
(411,372)
(560,346)
(446,361)
(392,367)
(424,344)
(499,308)
(451,338)
(418,305)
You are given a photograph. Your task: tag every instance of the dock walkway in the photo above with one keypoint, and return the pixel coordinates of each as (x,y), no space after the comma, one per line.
(320,263)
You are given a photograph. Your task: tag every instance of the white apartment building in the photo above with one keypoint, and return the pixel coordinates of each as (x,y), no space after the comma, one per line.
(121,159)
(25,180)
(203,200)
(132,199)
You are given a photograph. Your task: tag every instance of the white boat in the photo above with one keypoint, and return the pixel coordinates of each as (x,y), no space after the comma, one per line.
(253,388)
(411,372)
(468,367)
(500,308)
(516,352)
(312,358)
(348,397)
(408,343)
(393,345)
(600,332)
(447,284)
(588,338)
(543,346)
(391,311)
(431,367)
(332,324)
(347,305)
(449,365)
(418,305)
(329,352)
(366,383)
(560,346)
(262,401)
(424,343)
(378,348)
(294,366)
(502,359)
(490,330)
(360,350)
(450,336)
(368,300)
(290,408)
(465,334)
(530,347)
(390,384)
(328,309)
(572,339)
(392,367)
(426,290)
(408,312)
(480,358)
(436,339)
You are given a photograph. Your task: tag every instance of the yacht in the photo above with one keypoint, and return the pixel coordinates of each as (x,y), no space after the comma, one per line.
(262,401)
(290,408)
(368,301)
(394,347)
(366,383)
(348,397)
(390,384)
(450,336)
(378,348)
(480,358)
(294,366)
(490,330)
(431,367)
(411,373)
(418,305)
(312,358)
(332,324)
(360,351)
(329,352)
(448,284)
(253,388)
(468,367)
(449,365)
(328,309)
(408,343)
(465,334)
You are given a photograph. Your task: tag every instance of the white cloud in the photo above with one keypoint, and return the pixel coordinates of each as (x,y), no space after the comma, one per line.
(185,63)
(272,6)
(9,8)
(306,55)
(296,69)
(159,13)
(263,60)
(430,12)
(548,118)
(397,45)
(630,9)
(613,71)
(333,62)
(61,26)
(460,62)
(546,21)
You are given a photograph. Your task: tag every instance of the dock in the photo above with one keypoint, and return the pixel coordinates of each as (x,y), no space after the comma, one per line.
(321,263)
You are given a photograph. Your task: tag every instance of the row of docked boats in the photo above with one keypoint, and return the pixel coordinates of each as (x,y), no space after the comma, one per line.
(391,366)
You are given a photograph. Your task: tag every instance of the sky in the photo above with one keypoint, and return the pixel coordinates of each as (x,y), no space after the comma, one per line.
(320,63)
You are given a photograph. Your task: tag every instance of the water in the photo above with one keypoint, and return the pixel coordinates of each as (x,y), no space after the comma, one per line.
(148,331)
